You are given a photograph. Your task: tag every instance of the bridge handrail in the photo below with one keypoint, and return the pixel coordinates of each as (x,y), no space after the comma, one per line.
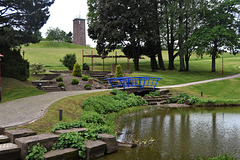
(133,82)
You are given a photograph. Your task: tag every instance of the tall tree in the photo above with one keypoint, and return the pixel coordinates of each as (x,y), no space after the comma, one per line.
(20,22)
(219,31)
(119,22)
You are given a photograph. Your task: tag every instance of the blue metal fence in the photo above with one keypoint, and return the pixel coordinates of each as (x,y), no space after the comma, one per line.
(134,82)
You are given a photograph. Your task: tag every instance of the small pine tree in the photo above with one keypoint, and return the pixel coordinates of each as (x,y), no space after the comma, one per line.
(118,71)
(77,70)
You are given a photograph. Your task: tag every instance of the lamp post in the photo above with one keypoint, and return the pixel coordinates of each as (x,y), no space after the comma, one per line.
(1,56)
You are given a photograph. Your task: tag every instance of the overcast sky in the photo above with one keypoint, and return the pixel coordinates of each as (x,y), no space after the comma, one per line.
(63,12)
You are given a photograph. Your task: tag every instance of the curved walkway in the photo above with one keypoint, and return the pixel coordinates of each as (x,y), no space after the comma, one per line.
(25,110)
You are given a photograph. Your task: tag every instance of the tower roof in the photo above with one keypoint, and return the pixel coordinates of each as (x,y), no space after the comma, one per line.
(78,19)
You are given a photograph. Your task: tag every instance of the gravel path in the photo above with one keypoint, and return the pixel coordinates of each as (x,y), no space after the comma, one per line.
(25,110)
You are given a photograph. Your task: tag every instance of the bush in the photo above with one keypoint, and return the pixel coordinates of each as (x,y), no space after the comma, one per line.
(61,84)
(75,81)
(194,100)
(59,79)
(36,152)
(106,104)
(13,65)
(77,70)
(118,71)
(36,68)
(72,140)
(69,60)
(85,78)
(68,125)
(174,99)
(88,86)
(92,117)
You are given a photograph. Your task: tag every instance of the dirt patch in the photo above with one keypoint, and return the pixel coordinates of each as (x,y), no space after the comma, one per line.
(67,79)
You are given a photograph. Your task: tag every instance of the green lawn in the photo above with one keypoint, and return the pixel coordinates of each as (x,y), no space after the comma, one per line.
(221,90)
(49,53)
(14,89)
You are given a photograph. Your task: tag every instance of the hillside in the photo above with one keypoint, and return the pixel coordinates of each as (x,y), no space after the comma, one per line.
(52,44)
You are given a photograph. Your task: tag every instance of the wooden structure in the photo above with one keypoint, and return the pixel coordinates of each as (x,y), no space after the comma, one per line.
(103,57)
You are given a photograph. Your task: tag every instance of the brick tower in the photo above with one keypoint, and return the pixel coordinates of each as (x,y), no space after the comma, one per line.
(79,33)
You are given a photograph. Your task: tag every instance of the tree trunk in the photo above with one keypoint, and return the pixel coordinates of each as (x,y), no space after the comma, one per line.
(171,48)
(180,40)
(187,57)
(153,65)
(214,54)
(160,59)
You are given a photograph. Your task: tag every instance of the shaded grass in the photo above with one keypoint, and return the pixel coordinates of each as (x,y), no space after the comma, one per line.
(15,89)
(72,110)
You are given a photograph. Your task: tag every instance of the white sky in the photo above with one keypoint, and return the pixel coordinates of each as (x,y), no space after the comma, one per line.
(63,12)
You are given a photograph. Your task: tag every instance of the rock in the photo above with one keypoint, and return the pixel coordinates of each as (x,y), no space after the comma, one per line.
(2,130)
(47,140)
(71,130)
(111,142)
(18,133)
(95,149)
(126,144)
(164,91)
(9,151)
(98,87)
(4,139)
(65,154)
(176,105)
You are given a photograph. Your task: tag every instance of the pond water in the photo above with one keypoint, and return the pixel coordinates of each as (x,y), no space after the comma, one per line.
(180,134)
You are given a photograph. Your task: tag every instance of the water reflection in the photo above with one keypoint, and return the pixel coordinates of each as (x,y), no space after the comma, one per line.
(181,134)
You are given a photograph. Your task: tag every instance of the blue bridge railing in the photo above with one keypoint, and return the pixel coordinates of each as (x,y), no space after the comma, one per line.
(133,82)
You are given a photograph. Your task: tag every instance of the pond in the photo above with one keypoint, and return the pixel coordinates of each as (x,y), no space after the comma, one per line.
(179,134)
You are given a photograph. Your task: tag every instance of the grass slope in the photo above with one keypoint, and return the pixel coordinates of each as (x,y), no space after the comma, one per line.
(14,89)
(222,90)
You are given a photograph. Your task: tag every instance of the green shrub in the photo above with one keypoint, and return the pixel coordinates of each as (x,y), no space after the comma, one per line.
(106,104)
(69,60)
(36,68)
(174,99)
(88,86)
(194,100)
(85,78)
(77,70)
(61,84)
(68,125)
(36,152)
(59,79)
(13,65)
(92,117)
(75,81)
(72,140)
(118,71)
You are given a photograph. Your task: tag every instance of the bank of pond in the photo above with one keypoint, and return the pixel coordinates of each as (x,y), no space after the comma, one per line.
(161,133)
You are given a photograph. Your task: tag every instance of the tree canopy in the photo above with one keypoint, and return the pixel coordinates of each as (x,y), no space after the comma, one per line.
(58,35)
(20,21)
(144,27)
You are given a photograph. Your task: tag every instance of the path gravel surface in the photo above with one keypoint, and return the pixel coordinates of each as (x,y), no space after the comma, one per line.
(25,110)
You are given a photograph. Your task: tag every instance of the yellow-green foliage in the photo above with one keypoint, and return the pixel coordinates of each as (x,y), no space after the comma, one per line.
(77,70)
(118,71)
